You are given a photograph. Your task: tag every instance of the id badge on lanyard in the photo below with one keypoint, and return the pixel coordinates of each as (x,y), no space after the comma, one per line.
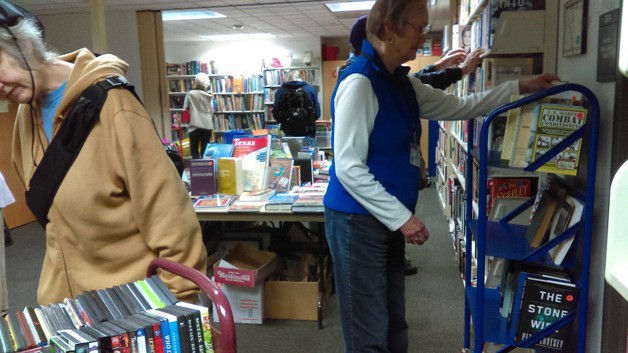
(415,147)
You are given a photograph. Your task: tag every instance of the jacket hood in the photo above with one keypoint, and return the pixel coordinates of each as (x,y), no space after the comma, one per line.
(88,69)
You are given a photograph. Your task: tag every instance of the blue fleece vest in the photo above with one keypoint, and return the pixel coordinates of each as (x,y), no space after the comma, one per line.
(397,124)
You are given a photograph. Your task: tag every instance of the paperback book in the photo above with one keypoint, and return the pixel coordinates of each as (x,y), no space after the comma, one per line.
(552,124)
(281,202)
(202,177)
(255,153)
(216,202)
(279,174)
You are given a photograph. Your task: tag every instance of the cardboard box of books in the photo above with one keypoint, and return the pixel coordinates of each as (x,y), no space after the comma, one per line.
(245,266)
(293,294)
(247,304)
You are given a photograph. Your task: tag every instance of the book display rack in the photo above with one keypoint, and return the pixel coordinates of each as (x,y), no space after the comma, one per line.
(485,312)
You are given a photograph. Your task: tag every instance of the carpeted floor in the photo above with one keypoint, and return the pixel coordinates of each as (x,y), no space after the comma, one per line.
(435,296)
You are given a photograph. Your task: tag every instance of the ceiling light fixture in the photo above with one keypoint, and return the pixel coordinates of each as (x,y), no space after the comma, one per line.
(238,36)
(350,6)
(237,26)
(176,15)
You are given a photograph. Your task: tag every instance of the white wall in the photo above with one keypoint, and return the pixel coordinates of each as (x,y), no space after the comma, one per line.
(582,69)
(243,57)
(69,32)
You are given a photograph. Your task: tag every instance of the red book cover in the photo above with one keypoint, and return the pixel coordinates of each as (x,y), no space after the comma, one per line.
(507,187)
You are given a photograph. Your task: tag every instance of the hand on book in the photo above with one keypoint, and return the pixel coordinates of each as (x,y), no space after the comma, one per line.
(452,58)
(537,83)
(472,61)
(414,231)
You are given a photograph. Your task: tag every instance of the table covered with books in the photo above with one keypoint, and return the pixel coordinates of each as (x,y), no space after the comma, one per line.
(285,212)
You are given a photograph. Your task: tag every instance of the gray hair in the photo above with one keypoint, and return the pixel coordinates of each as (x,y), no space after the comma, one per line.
(26,37)
(294,75)
(201,81)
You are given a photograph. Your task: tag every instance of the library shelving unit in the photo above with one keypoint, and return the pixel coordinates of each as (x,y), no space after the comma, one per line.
(501,239)
(274,77)
(510,55)
(237,100)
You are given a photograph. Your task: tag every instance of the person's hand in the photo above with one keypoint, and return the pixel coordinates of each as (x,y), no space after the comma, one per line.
(472,61)
(452,58)
(414,231)
(537,83)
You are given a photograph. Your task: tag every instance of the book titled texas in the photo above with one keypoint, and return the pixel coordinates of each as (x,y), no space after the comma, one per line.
(254,152)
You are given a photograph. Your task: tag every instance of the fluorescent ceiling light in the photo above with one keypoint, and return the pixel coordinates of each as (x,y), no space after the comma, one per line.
(238,36)
(175,15)
(350,6)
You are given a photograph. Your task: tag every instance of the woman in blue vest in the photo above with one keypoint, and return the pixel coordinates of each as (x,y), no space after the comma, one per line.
(374,177)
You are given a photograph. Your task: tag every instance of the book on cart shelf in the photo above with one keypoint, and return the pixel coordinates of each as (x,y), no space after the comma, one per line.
(255,154)
(540,223)
(544,300)
(567,216)
(552,124)
(507,187)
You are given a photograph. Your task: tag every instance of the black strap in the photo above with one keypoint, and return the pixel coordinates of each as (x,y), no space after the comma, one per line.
(66,145)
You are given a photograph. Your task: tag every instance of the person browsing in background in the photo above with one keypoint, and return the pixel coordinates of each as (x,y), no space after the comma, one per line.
(199,103)
(121,203)
(373,189)
(440,75)
(448,70)
(296,106)
(6,198)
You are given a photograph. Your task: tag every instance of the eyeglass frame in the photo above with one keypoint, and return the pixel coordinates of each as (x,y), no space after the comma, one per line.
(424,31)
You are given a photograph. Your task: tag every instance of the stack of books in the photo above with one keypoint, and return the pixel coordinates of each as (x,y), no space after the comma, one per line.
(139,317)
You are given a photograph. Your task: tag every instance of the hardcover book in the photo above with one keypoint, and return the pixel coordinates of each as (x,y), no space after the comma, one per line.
(311,202)
(202,177)
(246,206)
(218,150)
(255,154)
(551,200)
(543,302)
(507,187)
(567,216)
(281,202)
(217,202)
(230,176)
(279,174)
(552,124)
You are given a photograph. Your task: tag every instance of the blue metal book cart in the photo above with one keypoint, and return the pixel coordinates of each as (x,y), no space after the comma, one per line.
(503,240)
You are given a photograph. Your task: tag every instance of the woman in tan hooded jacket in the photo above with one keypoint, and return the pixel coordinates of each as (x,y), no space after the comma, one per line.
(121,203)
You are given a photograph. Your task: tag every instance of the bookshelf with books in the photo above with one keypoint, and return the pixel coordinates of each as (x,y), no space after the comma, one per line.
(499,305)
(494,26)
(238,102)
(274,77)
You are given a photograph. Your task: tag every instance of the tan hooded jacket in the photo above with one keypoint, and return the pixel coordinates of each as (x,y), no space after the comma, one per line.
(120,205)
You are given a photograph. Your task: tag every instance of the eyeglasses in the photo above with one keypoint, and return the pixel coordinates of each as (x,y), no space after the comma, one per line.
(423,30)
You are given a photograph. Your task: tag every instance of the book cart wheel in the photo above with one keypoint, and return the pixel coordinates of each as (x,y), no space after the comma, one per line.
(224,340)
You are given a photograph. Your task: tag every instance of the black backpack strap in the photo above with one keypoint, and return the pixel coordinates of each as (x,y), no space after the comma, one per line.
(66,145)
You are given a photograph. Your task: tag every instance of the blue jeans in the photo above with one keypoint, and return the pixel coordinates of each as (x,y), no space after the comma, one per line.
(368,269)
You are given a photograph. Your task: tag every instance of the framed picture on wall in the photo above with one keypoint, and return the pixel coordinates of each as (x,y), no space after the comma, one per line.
(574,28)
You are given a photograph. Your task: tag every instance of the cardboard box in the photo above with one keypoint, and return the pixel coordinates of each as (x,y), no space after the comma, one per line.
(294,298)
(245,266)
(291,300)
(247,304)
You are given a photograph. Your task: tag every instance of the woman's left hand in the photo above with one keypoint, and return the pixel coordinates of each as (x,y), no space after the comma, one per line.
(537,83)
